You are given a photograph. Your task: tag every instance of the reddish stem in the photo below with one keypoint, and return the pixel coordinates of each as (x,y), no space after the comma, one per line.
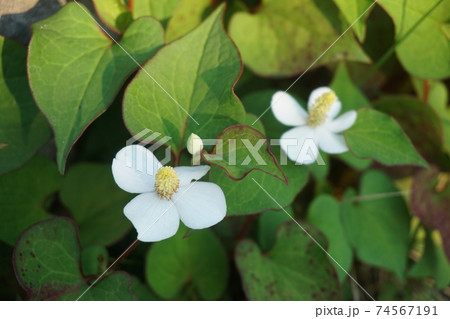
(130,5)
(246,226)
(426,90)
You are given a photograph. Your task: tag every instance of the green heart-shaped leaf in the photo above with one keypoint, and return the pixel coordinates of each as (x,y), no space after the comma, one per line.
(378,136)
(198,260)
(47,264)
(378,227)
(194,89)
(296,268)
(76,70)
(242,149)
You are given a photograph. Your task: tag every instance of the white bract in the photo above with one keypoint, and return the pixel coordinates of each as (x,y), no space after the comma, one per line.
(317,128)
(166,194)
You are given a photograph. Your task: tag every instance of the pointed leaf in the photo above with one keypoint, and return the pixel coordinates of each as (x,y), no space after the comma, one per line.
(378,136)
(242,149)
(75,70)
(196,76)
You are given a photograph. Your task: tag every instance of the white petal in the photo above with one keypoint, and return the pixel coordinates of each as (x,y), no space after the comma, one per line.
(154,218)
(287,110)
(317,93)
(300,144)
(186,174)
(134,168)
(200,204)
(331,143)
(342,123)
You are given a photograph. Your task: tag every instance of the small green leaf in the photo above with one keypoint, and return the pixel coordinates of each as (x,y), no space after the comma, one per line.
(352,11)
(242,149)
(75,70)
(377,226)
(24,196)
(285,37)
(198,260)
(430,202)
(420,123)
(161,10)
(22,127)
(378,136)
(96,204)
(113,13)
(425,49)
(296,268)
(47,264)
(186,17)
(432,264)
(198,72)
(324,213)
(248,196)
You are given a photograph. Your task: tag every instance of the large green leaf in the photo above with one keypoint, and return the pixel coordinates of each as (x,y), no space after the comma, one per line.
(425,48)
(24,196)
(352,11)
(22,127)
(161,10)
(75,70)
(420,123)
(296,268)
(197,73)
(378,136)
(242,149)
(324,213)
(47,264)
(96,203)
(198,260)
(430,201)
(377,226)
(285,37)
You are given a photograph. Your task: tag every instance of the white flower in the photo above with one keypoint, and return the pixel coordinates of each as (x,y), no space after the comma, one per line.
(316,129)
(166,194)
